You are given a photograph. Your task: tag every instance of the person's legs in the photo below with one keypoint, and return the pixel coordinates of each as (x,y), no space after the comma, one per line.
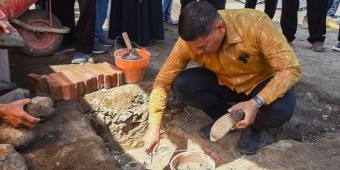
(166,9)
(270,8)
(289,18)
(199,88)
(101,12)
(334,4)
(184,3)
(316,16)
(250,4)
(100,41)
(84,31)
(218,4)
(269,116)
(337,46)
(64,11)
(166,6)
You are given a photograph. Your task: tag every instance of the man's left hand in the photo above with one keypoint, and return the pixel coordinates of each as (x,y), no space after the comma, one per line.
(250,109)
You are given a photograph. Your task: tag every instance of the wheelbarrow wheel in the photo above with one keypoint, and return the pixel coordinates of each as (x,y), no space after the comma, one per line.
(40,43)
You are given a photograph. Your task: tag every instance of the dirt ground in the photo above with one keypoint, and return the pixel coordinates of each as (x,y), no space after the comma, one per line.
(67,141)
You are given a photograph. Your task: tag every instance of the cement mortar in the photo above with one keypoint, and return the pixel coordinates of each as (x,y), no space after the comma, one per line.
(123,111)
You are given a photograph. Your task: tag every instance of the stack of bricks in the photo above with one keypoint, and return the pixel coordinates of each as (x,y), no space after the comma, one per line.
(76,80)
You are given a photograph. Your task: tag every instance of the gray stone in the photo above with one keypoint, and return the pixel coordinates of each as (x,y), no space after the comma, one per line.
(40,107)
(10,159)
(42,100)
(14,95)
(20,138)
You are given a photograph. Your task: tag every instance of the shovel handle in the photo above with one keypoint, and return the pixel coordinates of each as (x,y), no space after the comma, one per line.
(127,41)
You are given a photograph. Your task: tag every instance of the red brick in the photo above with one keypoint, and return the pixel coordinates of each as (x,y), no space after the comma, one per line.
(37,83)
(107,76)
(68,89)
(100,75)
(78,81)
(54,87)
(116,74)
(88,77)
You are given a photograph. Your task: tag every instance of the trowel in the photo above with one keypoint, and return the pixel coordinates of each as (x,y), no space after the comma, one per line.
(132,53)
(224,124)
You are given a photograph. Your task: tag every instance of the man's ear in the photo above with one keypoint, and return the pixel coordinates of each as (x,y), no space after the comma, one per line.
(220,26)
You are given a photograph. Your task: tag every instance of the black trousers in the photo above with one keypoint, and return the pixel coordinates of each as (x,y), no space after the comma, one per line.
(82,34)
(199,88)
(269,6)
(218,4)
(316,16)
(142,20)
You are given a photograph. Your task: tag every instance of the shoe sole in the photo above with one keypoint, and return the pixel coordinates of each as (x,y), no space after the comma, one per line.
(98,52)
(335,49)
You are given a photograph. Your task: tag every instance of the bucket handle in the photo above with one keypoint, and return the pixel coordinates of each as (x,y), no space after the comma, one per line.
(115,43)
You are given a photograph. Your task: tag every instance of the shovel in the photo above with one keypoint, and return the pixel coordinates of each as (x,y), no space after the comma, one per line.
(224,124)
(131,54)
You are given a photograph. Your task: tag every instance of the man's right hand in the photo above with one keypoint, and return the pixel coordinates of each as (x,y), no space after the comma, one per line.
(14,115)
(151,138)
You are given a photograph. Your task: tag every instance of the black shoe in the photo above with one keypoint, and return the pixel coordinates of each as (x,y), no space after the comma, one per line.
(249,141)
(205,131)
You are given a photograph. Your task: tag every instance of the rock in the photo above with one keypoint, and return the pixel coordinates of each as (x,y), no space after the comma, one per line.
(14,95)
(41,107)
(224,124)
(240,164)
(41,100)
(10,159)
(20,138)
(133,165)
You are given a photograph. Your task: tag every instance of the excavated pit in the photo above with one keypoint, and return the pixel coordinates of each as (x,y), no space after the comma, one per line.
(119,117)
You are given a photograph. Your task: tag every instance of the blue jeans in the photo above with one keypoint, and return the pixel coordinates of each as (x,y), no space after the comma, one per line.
(101,13)
(167,4)
(332,9)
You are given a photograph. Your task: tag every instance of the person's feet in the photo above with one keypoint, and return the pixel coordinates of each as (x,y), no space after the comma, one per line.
(171,21)
(62,50)
(80,58)
(318,46)
(304,23)
(205,131)
(336,47)
(106,42)
(249,142)
(99,48)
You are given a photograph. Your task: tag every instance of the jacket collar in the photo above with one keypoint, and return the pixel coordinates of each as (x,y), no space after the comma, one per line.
(232,36)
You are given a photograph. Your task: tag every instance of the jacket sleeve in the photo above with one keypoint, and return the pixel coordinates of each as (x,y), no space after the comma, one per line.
(280,57)
(175,64)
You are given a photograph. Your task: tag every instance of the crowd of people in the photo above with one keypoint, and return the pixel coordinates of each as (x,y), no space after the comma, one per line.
(143,21)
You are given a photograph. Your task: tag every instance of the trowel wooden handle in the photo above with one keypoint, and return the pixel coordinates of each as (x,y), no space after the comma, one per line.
(127,41)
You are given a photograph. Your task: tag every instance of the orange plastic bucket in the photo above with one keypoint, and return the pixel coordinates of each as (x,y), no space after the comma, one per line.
(133,69)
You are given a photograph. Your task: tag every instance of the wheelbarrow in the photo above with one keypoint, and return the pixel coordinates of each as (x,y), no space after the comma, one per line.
(41,30)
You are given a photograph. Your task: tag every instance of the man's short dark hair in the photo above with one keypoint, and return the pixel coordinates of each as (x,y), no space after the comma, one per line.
(196,20)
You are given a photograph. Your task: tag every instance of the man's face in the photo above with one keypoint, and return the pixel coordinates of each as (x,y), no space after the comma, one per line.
(211,43)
